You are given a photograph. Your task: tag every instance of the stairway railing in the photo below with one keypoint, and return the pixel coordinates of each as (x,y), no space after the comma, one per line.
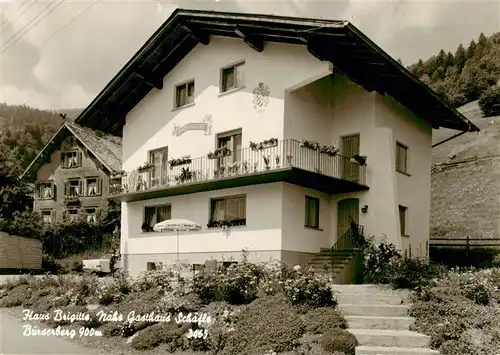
(349,242)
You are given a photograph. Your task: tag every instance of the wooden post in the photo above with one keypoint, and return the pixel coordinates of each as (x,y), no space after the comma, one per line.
(467,248)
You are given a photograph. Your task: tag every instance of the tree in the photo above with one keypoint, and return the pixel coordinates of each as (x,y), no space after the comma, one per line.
(460,58)
(489,102)
(471,50)
(14,193)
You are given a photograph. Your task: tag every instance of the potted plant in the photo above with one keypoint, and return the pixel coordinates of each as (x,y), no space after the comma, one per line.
(310,144)
(267,161)
(184,176)
(245,166)
(268,143)
(289,158)
(219,172)
(329,150)
(118,173)
(233,167)
(255,166)
(219,153)
(358,159)
(277,161)
(146,167)
(180,161)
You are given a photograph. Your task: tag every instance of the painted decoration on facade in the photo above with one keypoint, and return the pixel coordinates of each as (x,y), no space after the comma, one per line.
(205,126)
(261,96)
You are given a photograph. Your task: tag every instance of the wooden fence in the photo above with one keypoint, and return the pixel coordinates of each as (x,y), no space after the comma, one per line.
(466,251)
(18,253)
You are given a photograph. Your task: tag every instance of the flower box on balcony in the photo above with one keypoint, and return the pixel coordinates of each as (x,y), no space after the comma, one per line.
(329,150)
(72,200)
(225,223)
(185,176)
(180,161)
(219,153)
(268,143)
(310,144)
(145,168)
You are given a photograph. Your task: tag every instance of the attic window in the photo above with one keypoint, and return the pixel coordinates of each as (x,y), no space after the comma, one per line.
(71,159)
(184,94)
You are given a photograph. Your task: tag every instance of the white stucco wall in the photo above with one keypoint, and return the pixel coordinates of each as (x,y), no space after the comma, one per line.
(412,190)
(150,124)
(262,232)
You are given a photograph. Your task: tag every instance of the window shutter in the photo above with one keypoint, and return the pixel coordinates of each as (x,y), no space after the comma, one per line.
(80,187)
(79,158)
(66,188)
(53,191)
(63,162)
(99,186)
(53,216)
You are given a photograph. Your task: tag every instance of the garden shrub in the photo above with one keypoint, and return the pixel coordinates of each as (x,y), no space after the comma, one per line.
(77,266)
(111,329)
(16,296)
(51,265)
(309,290)
(339,340)
(460,312)
(412,273)
(320,320)
(270,322)
(14,282)
(162,333)
(379,260)
(238,284)
(153,279)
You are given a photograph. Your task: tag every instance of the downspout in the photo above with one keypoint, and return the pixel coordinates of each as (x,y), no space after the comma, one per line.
(449,139)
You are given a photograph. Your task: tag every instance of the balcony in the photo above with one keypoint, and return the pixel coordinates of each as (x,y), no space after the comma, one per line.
(272,161)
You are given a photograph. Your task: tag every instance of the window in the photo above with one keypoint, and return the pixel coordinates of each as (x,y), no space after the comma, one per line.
(401,158)
(232,77)
(150,266)
(155,214)
(46,190)
(184,94)
(73,188)
(228,208)
(91,214)
(402,219)
(48,216)
(233,141)
(312,212)
(93,186)
(71,214)
(71,159)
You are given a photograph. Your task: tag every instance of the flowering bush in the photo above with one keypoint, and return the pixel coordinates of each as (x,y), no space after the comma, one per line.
(238,284)
(460,312)
(150,279)
(309,290)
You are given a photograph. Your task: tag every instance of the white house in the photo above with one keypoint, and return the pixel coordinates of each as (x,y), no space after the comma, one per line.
(239,117)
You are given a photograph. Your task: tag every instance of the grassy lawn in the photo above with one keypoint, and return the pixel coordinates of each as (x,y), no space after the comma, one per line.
(466,196)
(254,309)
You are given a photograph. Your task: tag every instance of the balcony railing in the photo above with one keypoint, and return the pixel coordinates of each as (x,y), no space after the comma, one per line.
(280,155)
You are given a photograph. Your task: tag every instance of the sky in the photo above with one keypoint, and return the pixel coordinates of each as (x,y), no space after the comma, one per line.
(59,54)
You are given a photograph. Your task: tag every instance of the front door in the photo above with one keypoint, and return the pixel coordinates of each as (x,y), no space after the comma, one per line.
(348,207)
(350,147)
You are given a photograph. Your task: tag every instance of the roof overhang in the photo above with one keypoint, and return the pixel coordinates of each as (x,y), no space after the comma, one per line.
(338,42)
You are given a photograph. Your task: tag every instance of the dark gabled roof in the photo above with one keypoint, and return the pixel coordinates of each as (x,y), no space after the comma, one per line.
(107,152)
(338,42)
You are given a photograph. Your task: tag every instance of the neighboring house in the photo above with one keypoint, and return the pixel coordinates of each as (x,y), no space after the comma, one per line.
(249,123)
(71,174)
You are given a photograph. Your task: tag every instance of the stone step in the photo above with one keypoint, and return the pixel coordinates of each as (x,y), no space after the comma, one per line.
(395,338)
(395,323)
(370,298)
(386,350)
(374,310)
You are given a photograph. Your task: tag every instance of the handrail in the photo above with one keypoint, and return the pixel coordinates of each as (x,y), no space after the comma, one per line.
(349,241)
(273,155)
